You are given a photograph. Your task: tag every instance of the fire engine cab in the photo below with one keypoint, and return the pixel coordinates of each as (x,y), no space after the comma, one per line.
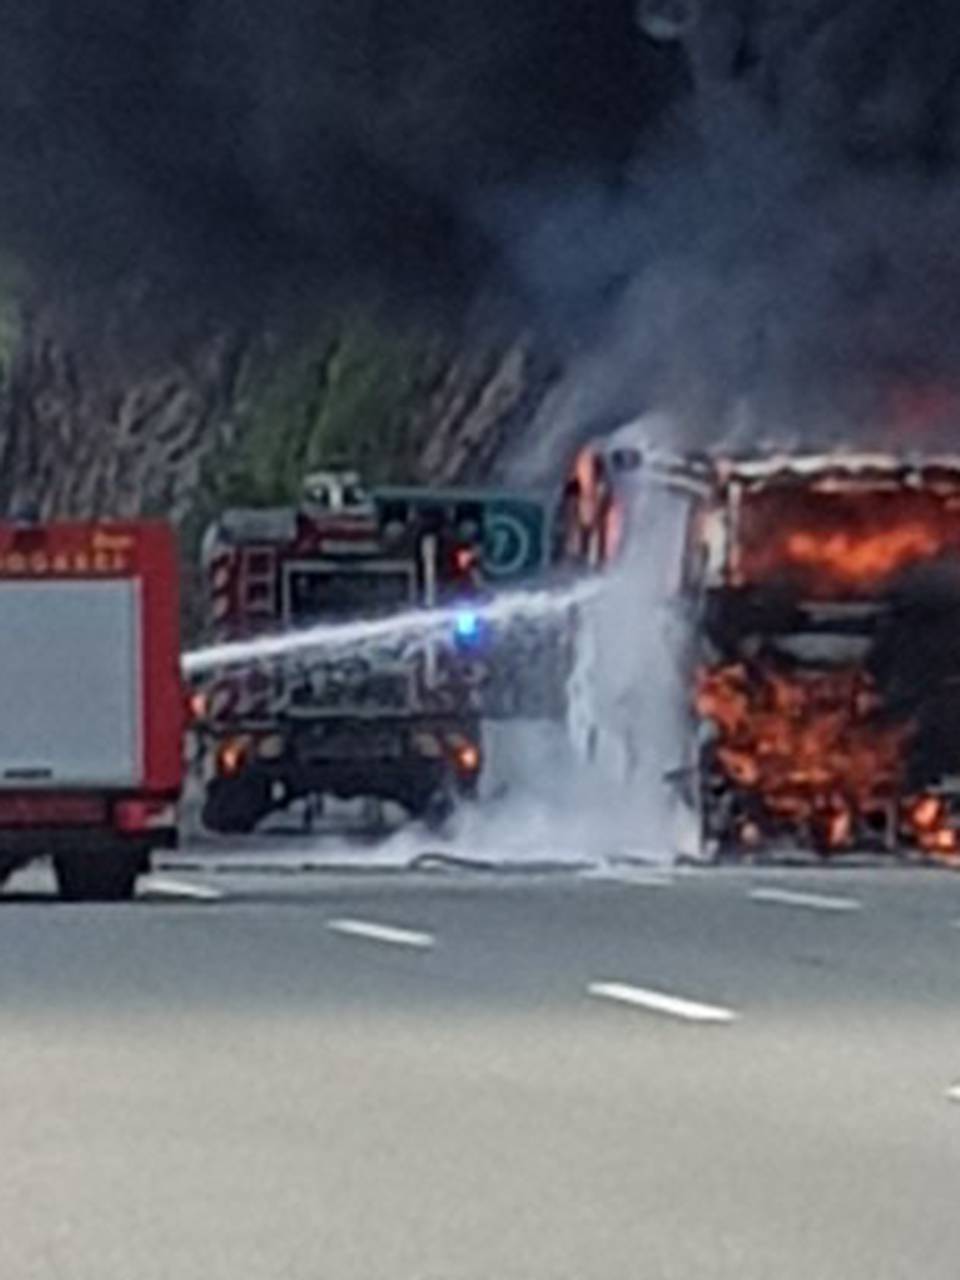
(366,711)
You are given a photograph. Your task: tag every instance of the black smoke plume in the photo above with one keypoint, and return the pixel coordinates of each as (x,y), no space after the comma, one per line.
(787,269)
(339,144)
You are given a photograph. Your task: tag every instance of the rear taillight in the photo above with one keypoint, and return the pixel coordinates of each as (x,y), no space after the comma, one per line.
(133,816)
(198,707)
(232,755)
(464,559)
(466,758)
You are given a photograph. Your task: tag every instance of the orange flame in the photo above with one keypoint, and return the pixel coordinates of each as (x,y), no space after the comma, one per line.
(839,829)
(870,558)
(807,747)
(945,841)
(927,820)
(833,544)
(804,745)
(926,814)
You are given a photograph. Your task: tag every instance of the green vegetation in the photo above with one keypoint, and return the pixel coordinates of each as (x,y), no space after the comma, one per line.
(235,420)
(350,397)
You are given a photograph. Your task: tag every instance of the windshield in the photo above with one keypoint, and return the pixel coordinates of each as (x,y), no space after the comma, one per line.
(328,594)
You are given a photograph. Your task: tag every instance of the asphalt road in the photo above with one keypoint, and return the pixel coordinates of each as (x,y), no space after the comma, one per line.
(462,1076)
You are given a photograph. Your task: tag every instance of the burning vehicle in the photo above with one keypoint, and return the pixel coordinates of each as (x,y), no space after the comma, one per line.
(819,597)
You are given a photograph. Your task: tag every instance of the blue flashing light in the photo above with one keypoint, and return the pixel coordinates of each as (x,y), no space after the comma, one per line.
(467,625)
(469,629)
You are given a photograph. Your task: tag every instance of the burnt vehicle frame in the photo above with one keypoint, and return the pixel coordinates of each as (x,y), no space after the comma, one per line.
(848,589)
(824,642)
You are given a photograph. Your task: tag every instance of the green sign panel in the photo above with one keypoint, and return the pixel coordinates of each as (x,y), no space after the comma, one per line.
(514,538)
(514,526)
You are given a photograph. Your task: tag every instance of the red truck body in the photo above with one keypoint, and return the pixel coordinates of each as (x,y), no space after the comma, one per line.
(91,741)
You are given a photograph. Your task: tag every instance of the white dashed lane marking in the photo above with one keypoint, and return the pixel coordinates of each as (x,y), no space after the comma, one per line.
(661,1002)
(812,901)
(390,934)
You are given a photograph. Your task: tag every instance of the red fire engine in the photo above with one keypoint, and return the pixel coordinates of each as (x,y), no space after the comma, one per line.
(388,718)
(90,738)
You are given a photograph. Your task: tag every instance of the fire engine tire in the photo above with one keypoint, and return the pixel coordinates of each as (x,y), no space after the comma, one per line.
(373,819)
(234,806)
(107,876)
(438,810)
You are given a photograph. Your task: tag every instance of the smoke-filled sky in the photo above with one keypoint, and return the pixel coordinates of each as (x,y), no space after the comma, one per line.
(765,207)
(796,268)
(355,138)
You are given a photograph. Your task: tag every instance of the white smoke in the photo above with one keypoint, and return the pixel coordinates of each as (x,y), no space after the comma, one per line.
(667,19)
(783,271)
(791,247)
(596,788)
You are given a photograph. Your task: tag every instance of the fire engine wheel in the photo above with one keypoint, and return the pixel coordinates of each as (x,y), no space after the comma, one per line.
(373,815)
(234,806)
(438,810)
(105,876)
